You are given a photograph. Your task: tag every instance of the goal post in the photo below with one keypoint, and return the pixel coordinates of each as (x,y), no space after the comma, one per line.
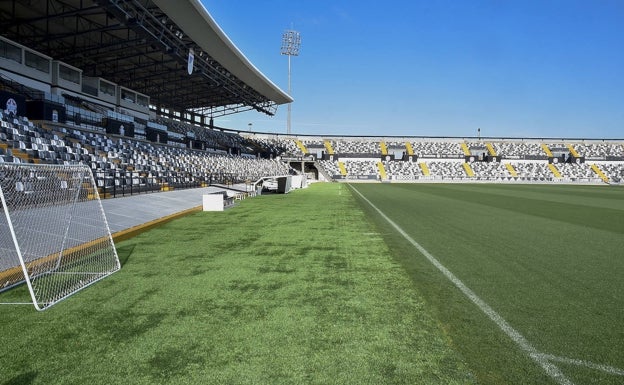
(54,236)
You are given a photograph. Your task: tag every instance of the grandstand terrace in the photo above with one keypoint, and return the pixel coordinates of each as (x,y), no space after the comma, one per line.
(123,163)
(426,159)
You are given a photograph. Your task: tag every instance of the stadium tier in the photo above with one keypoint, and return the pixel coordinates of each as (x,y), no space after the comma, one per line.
(464,160)
(123,163)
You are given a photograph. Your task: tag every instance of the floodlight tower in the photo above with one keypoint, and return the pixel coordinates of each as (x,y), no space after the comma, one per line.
(291,41)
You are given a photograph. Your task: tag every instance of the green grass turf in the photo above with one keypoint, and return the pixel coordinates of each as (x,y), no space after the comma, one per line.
(284,289)
(548,259)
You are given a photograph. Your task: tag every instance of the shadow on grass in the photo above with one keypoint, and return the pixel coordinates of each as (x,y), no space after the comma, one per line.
(22,379)
(171,362)
(124,324)
(124,253)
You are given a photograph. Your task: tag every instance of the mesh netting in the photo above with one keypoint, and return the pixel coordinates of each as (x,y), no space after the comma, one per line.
(52,225)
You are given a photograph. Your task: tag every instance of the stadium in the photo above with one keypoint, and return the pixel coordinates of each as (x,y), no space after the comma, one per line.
(166,249)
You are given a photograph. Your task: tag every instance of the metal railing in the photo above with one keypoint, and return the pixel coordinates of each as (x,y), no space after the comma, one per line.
(120,183)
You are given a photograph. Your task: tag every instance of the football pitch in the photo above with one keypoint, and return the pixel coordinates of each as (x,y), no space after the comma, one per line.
(521,277)
(350,284)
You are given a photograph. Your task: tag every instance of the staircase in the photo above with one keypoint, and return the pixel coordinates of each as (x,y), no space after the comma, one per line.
(573,151)
(512,170)
(465,149)
(342,168)
(468,170)
(384,148)
(323,171)
(554,170)
(382,171)
(301,146)
(546,150)
(328,147)
(599,172)
(409,148)
(490,149)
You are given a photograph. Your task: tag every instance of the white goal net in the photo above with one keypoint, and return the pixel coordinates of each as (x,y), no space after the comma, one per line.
(53,231)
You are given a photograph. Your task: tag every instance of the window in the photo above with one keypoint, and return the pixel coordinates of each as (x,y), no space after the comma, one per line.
(69,74)
(128,96)
(10,51)
(142,100)
(37,62)
(107,88)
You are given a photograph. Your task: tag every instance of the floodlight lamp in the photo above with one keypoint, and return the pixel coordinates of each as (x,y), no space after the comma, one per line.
(291,41)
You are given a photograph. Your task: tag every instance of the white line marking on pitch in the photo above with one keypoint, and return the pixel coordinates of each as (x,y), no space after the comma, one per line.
(542,359)
(552,370)
(573,361)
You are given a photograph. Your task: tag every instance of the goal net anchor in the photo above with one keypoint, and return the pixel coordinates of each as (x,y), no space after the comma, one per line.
(53,232)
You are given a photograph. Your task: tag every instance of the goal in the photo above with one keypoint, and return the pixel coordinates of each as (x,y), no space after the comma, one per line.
(53,232)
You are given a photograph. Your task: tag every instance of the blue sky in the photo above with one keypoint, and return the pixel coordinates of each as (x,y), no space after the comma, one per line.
(437,68)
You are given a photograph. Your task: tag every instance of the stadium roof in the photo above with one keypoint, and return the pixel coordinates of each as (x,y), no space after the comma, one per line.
(144,45)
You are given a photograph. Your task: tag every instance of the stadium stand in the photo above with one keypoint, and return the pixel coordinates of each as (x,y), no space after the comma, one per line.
(613,171)
(363,169)
(124,163)
(403,171)
(331,168)
(446,170)
(600,151)
(355,147)
(519,167)
(491,171)
(519,150)
(431,149)
(278,146)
